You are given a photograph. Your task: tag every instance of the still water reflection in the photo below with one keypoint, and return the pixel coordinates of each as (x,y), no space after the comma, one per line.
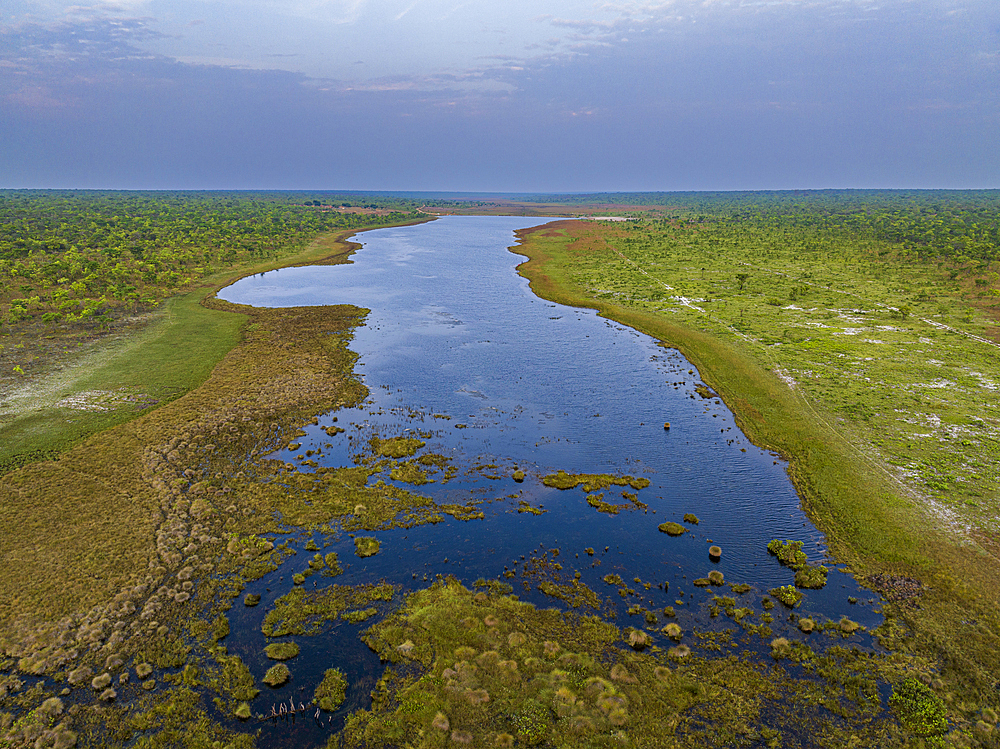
(455,331)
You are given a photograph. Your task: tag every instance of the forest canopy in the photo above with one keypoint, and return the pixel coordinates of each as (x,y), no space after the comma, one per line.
(69,256)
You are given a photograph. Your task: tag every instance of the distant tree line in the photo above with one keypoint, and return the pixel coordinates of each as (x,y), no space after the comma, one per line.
(67,256)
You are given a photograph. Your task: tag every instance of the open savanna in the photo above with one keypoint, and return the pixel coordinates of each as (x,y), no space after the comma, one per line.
(874,373)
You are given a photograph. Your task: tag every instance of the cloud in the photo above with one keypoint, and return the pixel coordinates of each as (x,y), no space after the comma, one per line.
(782,94)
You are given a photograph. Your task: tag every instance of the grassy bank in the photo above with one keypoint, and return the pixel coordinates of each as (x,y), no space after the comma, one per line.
(874,521)
(84,388)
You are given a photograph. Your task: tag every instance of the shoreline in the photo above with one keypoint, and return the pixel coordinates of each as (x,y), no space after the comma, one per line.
(167,479)
(172,351)
(879,532)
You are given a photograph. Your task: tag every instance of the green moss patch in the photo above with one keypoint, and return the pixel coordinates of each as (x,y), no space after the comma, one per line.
(592,482)
(396,447)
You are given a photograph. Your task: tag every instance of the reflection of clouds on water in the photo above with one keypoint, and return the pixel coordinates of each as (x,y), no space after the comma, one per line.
(437,316)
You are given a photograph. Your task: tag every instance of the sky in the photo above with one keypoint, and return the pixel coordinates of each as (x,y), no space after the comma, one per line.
(500,95)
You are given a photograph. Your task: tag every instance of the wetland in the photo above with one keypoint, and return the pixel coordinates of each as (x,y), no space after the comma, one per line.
(420,505)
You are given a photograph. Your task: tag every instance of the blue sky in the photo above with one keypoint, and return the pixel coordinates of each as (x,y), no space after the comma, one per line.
(517,95)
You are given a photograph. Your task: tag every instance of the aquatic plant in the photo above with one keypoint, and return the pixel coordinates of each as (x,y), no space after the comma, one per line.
(847,626)
(638,640)
(805,624)
(366,546)
(673,631)
(409,473)
(396,447)
(299,612)
(789,553)
(251,599)
(332,565)
(679,652)
(592,482)
(671,528)
(359,616)
(715,553)
(691,518)
(789,595)
(780,647)
(243,711)
(716,577)
(277,675)
(518,476)
(281,651)
(330,693)
(812,576)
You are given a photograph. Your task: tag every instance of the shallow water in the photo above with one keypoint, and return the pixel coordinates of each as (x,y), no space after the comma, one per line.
(454,330)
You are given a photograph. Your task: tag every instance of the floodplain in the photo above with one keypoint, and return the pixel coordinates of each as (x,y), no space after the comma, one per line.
(223,540)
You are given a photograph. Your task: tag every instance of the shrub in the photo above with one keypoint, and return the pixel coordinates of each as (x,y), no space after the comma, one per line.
(919,710)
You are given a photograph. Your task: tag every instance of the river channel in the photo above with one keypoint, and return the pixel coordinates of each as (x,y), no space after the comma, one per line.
(459,349)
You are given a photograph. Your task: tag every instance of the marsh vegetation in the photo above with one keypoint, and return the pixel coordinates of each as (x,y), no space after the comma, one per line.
(282,482)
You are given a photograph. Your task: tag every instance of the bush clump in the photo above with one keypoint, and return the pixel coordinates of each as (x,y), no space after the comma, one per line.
(281,651)
(919,710)
(366,546)
(277,675)
(789,553)
(811,576)
(671,528)
(330,693)
(787,594)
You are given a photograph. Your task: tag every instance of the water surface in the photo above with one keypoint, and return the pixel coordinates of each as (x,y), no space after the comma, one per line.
(455,331)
